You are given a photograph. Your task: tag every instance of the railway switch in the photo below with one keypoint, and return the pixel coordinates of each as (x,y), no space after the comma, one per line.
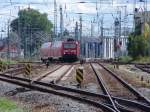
(79,76)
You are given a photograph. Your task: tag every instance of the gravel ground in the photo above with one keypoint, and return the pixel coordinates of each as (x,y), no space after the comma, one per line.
(5,88)
(89,82)
(33,101)
(41,102)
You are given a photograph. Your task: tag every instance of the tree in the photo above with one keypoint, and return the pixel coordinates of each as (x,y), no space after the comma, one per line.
(137,46)
(138,41)
(29,23)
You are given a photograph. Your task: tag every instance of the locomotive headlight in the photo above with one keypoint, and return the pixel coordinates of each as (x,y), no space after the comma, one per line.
(73,50)
(65,50)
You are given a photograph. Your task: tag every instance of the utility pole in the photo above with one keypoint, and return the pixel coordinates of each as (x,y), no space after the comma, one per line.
(91,28)
(8,39)
(55,19)
(80,28)
(125,22)
(76,31)
(19,33)
(102,22)
(30,40)
(25,41)
(81,33)
(61,23)
(145,11)
(120,24)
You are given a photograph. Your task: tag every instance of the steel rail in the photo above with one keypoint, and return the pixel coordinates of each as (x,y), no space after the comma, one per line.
(57,92)
(13,70)
(143,68)
(129,87)
(21,68)
(67,89)
(104,88)
(46,74)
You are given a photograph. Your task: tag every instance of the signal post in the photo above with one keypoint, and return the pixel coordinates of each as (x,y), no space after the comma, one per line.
(79,76)
(28,70)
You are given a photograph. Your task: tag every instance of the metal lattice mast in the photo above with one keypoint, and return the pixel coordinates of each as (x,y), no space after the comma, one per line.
(61,23)
(80,28)
(81,34)
(55,18)
(145,11)
(91,28)
(76,31)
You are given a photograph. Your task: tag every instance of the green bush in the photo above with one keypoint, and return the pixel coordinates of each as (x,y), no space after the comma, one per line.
(125,59)
(141,59)
(4,61)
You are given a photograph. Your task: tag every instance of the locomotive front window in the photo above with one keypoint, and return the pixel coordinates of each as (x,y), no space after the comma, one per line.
(69,45)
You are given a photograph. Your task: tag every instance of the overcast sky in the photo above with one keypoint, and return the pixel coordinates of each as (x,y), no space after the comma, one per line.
(107,9)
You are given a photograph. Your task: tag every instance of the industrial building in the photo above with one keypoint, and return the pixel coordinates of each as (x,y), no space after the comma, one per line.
(103,47)
(140,17)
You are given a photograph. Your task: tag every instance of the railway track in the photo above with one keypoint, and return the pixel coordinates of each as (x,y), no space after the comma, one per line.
(39,78)
(16,70)
(99,100)
(143,67)
(82,95)
(107,81)
(45,87)
(139,96)
(57,75)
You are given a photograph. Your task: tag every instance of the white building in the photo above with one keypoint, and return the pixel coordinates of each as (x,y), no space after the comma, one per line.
(103,47)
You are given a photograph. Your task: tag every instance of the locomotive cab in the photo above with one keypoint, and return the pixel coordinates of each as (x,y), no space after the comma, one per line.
(70,50)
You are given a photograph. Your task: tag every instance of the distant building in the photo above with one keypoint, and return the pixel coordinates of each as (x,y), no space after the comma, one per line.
(92,47)
(14,52)
(103,47)
(140,17)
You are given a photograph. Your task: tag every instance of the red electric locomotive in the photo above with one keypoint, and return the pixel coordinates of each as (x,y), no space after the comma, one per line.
(67,50)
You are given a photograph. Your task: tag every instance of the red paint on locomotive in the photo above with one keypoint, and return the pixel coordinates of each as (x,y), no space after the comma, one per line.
(62,50)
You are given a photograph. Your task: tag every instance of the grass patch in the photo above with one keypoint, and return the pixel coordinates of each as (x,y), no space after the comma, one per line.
(9,106)
(139,59)
(125,59)
(5,61)
(142,59)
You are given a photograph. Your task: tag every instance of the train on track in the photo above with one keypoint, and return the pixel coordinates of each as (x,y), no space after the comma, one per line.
(65,50)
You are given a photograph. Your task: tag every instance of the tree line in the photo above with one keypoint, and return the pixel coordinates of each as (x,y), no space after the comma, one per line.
(139,41)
